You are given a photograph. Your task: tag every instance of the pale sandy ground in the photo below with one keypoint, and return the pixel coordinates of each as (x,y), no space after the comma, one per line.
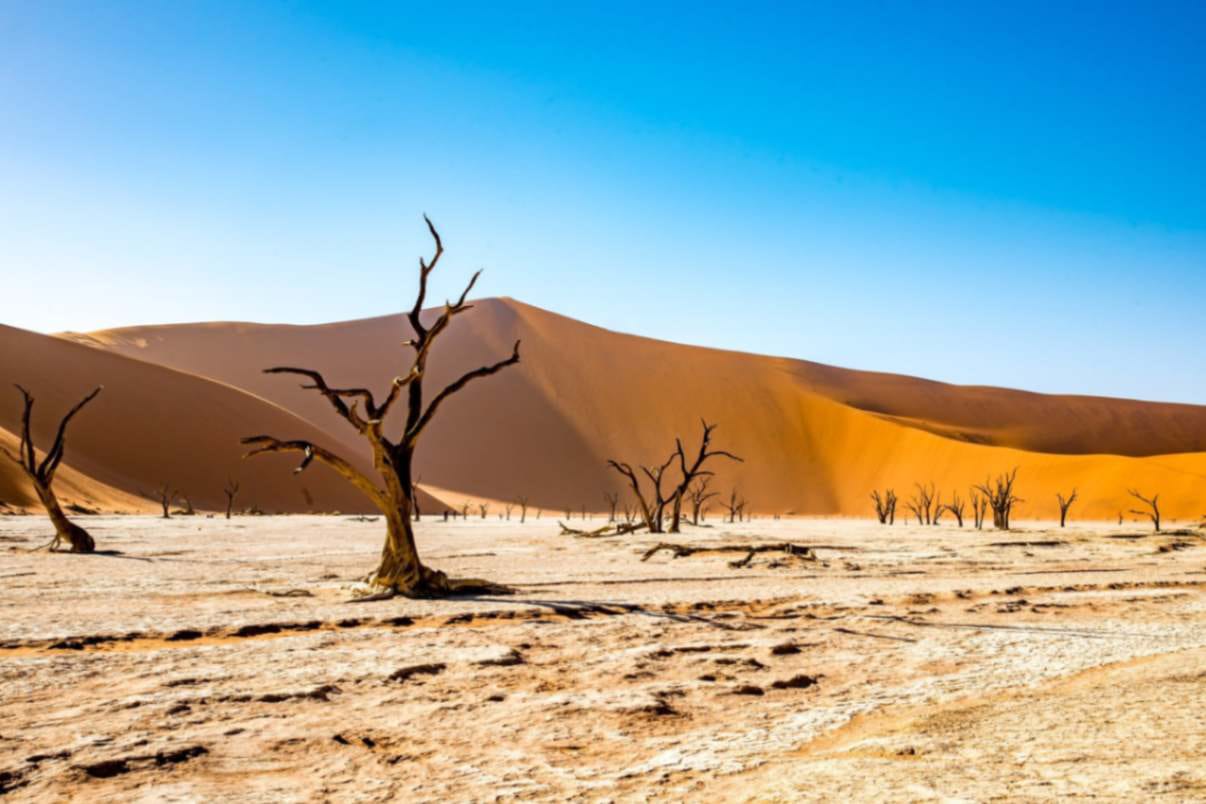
(948,665)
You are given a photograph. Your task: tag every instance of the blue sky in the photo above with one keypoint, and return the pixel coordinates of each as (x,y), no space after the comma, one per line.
(1008,194)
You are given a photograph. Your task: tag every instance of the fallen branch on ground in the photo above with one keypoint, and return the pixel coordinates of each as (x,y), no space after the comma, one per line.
(680,550)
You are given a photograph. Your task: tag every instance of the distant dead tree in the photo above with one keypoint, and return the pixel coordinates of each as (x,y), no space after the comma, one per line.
(924,502)
(956,506)
(483,508)
(735,506)
(523,508)
(699,494)
(400,570)
(41,474)
(613,500)
(629,514)
(1153,507)
(509,507)
(1001,498)
(885,506)
(187,508)
(231,491)
(465,511)
(979,508)
(1064,505)
(167,496)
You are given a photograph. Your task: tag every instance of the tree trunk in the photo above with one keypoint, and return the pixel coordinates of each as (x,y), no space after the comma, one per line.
(66,530)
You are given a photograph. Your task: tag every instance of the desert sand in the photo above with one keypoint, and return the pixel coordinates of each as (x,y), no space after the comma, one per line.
(819,438)
(213,659)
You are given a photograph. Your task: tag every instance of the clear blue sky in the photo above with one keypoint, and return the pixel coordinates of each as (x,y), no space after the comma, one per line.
(1001,193)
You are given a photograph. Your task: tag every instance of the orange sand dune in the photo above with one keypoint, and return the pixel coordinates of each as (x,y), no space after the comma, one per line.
(816,438)
(153,425)
(73,489)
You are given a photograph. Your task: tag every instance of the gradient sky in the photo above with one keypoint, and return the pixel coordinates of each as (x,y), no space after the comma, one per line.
(999,193)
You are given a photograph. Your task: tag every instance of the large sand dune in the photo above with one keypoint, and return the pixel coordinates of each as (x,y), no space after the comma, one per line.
(817,438)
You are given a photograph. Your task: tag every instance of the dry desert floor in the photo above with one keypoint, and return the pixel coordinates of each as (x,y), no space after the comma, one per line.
(212,660)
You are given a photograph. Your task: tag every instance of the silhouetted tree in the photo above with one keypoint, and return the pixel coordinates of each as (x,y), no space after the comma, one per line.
(167,496)
(231,491)
(613,499)
(885,506)
(694,469)
(41,474)
(1064,505)
(956,506)
(700,494)
(1153,507)
(1001,498)
(979,508)
(400,570)
(523,509)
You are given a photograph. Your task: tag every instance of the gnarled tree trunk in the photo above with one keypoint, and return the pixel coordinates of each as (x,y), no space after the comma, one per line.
(41,474)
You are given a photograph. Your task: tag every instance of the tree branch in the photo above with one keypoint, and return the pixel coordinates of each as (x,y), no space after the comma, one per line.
(264,444)
(461,382)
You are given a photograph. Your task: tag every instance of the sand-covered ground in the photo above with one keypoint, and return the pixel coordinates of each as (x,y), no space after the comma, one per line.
(223,660)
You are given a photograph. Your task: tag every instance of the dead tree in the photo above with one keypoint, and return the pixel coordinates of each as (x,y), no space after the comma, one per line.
(41,474)
(699,494)
(1064,505)
(734,506)
(167,496)
(653,508)
(483,509)
(400,570)
(1153,507)
(465,511)
(231,490)
(509,507)
(956,506)
(979,508)
(613,500)
(523,509)
(926,498)
(694,470)
(885,506)
(1001,498)
(629,514)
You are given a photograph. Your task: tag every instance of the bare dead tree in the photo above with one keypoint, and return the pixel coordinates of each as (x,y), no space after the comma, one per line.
(187,509)
(465,510)
(1153,507)
(1001,498)
(885,506)
(629,514)
(400,570)
(231,491)
(167,496)
(694,469)
(509,507)
(699,494)
(41,474)
(926,497)
(735,506)
(523,508)
(979,508)
(956,506)
(483,509)
(1064,505)
(653,508)
(613,500)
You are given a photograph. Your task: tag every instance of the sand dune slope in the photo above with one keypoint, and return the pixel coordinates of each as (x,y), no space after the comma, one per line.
(153,425)
(817,438)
